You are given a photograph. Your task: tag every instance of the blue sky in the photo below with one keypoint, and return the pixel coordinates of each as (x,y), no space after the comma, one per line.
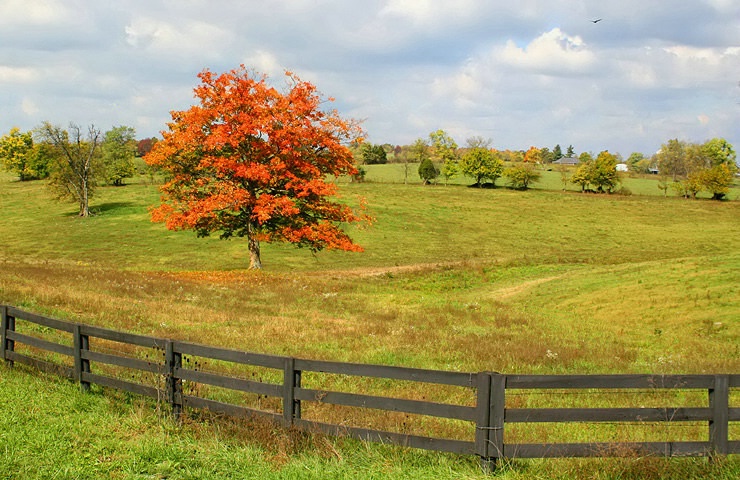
(523,73)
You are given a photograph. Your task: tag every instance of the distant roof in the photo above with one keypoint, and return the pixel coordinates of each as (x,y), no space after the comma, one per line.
(567,161)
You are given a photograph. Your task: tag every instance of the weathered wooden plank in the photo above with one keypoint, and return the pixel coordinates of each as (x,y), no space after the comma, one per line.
(395,373)
(418,407)
(228,408)
(132,387)
(733,415)
(562,415)
(4,326)
(84,345)
(122,361)
(39,320)
(498,413)
(734,381)
(77,339)
(40,343)
(483,417)
(227,355)
(733,446)
(565,450)
(290,402)
(231,383)
(412,441)
(123,337)
(48,367)
(173,384)
(719,398)
(609,381)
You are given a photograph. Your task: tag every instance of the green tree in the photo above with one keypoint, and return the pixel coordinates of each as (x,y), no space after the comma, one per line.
(604,174)
(671,159)
(718,179)
(571,152)
(719,151)
(564,171)
(427,171)
(119,149)
(557,153)
(696,167)
(481,164)
(21,156)
(583,174)
(717,167)
(546,155)
(373,154)
(635,163)
(521,175)
(599,173)
(444,152)
(450,169)
(76,171)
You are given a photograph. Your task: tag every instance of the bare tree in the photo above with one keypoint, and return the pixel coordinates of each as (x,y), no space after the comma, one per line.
(76,174)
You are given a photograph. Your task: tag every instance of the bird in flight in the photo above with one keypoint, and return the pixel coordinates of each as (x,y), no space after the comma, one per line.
(596,21)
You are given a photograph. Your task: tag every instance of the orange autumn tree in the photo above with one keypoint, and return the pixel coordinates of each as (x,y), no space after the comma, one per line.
(251,161)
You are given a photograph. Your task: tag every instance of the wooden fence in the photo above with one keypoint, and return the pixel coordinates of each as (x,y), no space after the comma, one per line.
(42,342)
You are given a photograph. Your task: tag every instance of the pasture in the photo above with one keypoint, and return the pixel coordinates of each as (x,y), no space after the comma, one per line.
(452,278)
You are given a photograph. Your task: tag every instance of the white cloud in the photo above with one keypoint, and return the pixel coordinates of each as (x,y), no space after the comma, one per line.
(17,74)
(265,62)
(553,52)
(686,53)
(430,13)
(191,37)
(35,12)
(29,107)
(524,73)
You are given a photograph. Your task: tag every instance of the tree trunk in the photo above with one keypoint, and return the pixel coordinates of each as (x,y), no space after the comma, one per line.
(255,262)
(84,202)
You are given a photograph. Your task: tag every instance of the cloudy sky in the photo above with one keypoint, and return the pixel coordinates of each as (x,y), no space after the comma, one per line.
(530,72)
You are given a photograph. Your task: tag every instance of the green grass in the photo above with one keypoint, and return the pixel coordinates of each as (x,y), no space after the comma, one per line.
(551,179)
(451,278)
(107,434)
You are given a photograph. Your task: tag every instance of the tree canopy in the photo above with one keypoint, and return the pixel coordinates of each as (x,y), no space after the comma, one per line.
(78,166)
(482,164)
(19,154)
(600,173)
(251,161)
(119,150)
(695,167)
(373,154)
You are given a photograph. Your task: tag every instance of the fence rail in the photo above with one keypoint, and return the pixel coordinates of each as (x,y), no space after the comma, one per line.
(72,350)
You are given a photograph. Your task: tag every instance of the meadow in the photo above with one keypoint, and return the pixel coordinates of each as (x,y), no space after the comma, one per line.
(452,278)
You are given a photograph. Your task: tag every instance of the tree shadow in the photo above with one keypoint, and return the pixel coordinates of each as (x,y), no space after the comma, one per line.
(104,208)
(486,185)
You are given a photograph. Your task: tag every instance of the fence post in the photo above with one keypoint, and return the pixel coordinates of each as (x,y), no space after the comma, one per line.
(82,365)
(489,437)
(498,409)
(173,385)
(719,403)
(291,381)
(483,422)
(8,325)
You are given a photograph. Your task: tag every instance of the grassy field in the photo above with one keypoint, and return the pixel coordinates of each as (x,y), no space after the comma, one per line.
(452,278)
